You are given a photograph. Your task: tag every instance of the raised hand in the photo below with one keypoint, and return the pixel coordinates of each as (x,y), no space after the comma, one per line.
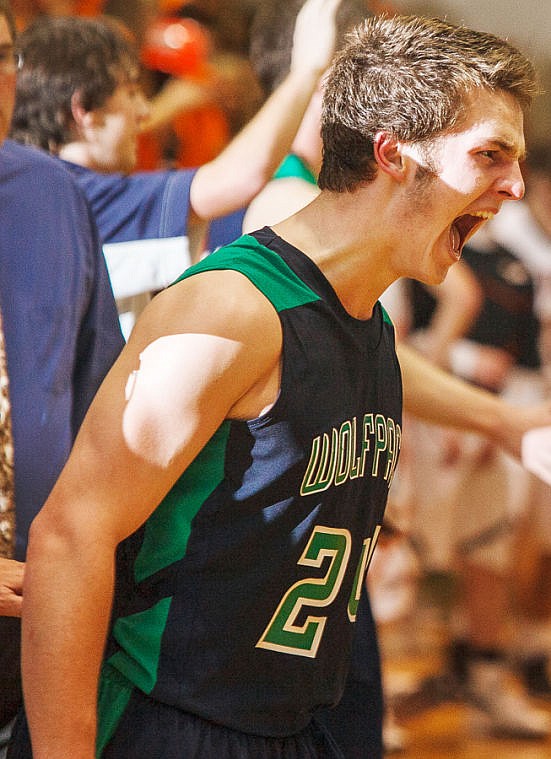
(315,35)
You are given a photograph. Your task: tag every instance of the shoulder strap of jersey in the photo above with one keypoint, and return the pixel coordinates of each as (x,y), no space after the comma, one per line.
(263,267)
(386,317)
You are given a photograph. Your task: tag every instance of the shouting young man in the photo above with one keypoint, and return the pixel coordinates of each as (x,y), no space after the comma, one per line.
(213,526)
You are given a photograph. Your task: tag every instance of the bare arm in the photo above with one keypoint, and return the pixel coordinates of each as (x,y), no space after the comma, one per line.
(176,96)
(232,179)
(545,349)
(436,396)
(166,395)
(458,302)
(11,587)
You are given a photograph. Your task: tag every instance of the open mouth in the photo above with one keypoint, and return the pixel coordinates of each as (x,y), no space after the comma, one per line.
(464,227)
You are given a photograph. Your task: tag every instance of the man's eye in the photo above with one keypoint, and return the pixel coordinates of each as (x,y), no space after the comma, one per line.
(488,153)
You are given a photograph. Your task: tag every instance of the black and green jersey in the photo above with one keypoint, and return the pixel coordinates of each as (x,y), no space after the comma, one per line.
(236,599)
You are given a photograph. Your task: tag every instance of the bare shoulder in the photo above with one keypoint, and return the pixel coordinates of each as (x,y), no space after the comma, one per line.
(278,200)
(221,322)
(222,302)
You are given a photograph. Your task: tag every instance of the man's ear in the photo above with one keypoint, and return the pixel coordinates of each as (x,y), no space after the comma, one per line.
(388,154)
(83,119)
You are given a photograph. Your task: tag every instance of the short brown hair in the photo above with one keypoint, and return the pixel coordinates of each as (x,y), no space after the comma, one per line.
(408,76)
(64,56)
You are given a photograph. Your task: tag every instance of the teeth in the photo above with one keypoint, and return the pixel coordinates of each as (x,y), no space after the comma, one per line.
(483,214)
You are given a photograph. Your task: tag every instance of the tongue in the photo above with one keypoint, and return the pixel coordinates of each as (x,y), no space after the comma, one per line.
(455,238)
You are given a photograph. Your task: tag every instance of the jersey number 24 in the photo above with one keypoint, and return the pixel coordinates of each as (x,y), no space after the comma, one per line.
(284,633)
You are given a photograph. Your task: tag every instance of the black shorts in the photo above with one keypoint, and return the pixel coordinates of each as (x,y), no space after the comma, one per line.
(154,730)
(157,731)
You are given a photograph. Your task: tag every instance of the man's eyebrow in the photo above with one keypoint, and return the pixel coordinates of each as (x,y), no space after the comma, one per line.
(509,147)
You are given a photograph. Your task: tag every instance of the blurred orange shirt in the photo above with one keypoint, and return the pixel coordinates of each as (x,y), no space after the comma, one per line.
(199,135)
(89,7)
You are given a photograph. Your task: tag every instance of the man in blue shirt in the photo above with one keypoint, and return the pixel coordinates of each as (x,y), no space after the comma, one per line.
(61,333)
(78,96)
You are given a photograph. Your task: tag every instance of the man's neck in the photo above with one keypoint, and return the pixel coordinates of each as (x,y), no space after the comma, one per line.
(75,152)
(81,154)
(348,242)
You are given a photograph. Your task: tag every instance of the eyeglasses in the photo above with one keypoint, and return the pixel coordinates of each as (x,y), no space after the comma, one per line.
(10,60)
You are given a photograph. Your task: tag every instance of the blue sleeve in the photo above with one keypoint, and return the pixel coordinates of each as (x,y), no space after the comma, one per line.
(140,206)
(226,229)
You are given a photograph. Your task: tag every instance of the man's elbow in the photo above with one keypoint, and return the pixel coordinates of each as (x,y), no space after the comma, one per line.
(46,537)
(56,534)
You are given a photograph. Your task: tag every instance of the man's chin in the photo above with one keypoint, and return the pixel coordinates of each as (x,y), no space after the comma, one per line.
(437,276)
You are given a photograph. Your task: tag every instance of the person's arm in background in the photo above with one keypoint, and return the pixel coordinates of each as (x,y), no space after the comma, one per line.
(434,395)
(176,96)
(234,177)
(11,587)
(458,302)
(545,347)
